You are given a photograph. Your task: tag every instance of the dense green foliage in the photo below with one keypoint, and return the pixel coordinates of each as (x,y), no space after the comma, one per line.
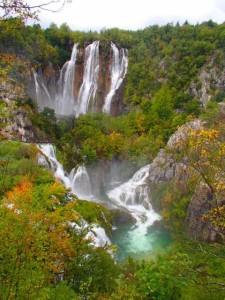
(41,256)
(162,83)
(38,244)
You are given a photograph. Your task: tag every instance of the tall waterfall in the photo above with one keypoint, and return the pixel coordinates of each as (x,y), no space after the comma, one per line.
(118,71)
(90,79)
(65,98)
(59,97)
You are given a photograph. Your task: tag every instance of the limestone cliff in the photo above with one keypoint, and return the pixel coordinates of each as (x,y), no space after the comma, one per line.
(96,75)
(165,168)
(15,122)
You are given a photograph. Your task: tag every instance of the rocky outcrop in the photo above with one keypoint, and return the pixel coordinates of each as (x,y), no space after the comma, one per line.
(15,123)
(21,127)
(210,78)
(10,90)
(201,203)
(164,167)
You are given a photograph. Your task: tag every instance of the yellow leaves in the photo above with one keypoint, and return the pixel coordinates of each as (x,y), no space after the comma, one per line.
(37,226)
(11,61)
(216,218)
(114,135)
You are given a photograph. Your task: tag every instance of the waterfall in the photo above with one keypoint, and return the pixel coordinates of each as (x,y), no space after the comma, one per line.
(118,71)
(90,79)
(61,96)
(98,235)
(133,192)
(43,96)
(80,183)
(65,98)
(134,196)
(49,151)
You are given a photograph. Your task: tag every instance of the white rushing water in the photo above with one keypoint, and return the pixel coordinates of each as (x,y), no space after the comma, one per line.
(134,196)
(65,98)
(118,71)
(90,80)
(80,183)
(60,95)
(59,173)
(97,233)
(43,96)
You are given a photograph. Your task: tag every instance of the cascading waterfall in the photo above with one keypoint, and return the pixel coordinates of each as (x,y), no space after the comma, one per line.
(90,79)
(49,151)
(134,196)
(97,233)
(44,98)
(131,197)
(118,71)
(80,183)
(65,98)
(61,96)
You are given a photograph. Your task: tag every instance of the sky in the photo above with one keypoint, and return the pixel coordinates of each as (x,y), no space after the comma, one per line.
(96,15)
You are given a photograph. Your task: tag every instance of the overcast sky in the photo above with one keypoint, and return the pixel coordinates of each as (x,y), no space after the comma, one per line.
(133,14)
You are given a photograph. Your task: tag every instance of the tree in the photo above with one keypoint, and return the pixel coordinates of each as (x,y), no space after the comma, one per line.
(25,11)
(37,242)
(203,151)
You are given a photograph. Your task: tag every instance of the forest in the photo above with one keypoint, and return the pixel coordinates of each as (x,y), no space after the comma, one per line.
(175,75)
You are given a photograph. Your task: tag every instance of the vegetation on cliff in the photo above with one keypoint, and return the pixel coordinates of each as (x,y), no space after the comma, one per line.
(173,72)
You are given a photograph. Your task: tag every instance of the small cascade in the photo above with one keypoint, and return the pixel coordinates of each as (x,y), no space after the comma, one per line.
(80,183)
(131,197)
(118,71)
(90,79)
(133,192)
(43,96)
(65,98)
(49,151)
(134,196)
(100,239)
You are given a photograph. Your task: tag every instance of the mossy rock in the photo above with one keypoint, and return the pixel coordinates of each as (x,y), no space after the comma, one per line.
(95,213)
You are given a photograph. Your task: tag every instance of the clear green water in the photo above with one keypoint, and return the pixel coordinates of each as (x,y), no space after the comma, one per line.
(132,243)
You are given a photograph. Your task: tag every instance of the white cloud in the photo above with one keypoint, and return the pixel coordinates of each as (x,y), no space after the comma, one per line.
(133,14)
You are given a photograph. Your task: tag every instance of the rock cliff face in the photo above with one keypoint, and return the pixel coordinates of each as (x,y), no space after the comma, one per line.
(164,168)
(11,90)
(210,79)
(15,121)
(96,77)
(201,202)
